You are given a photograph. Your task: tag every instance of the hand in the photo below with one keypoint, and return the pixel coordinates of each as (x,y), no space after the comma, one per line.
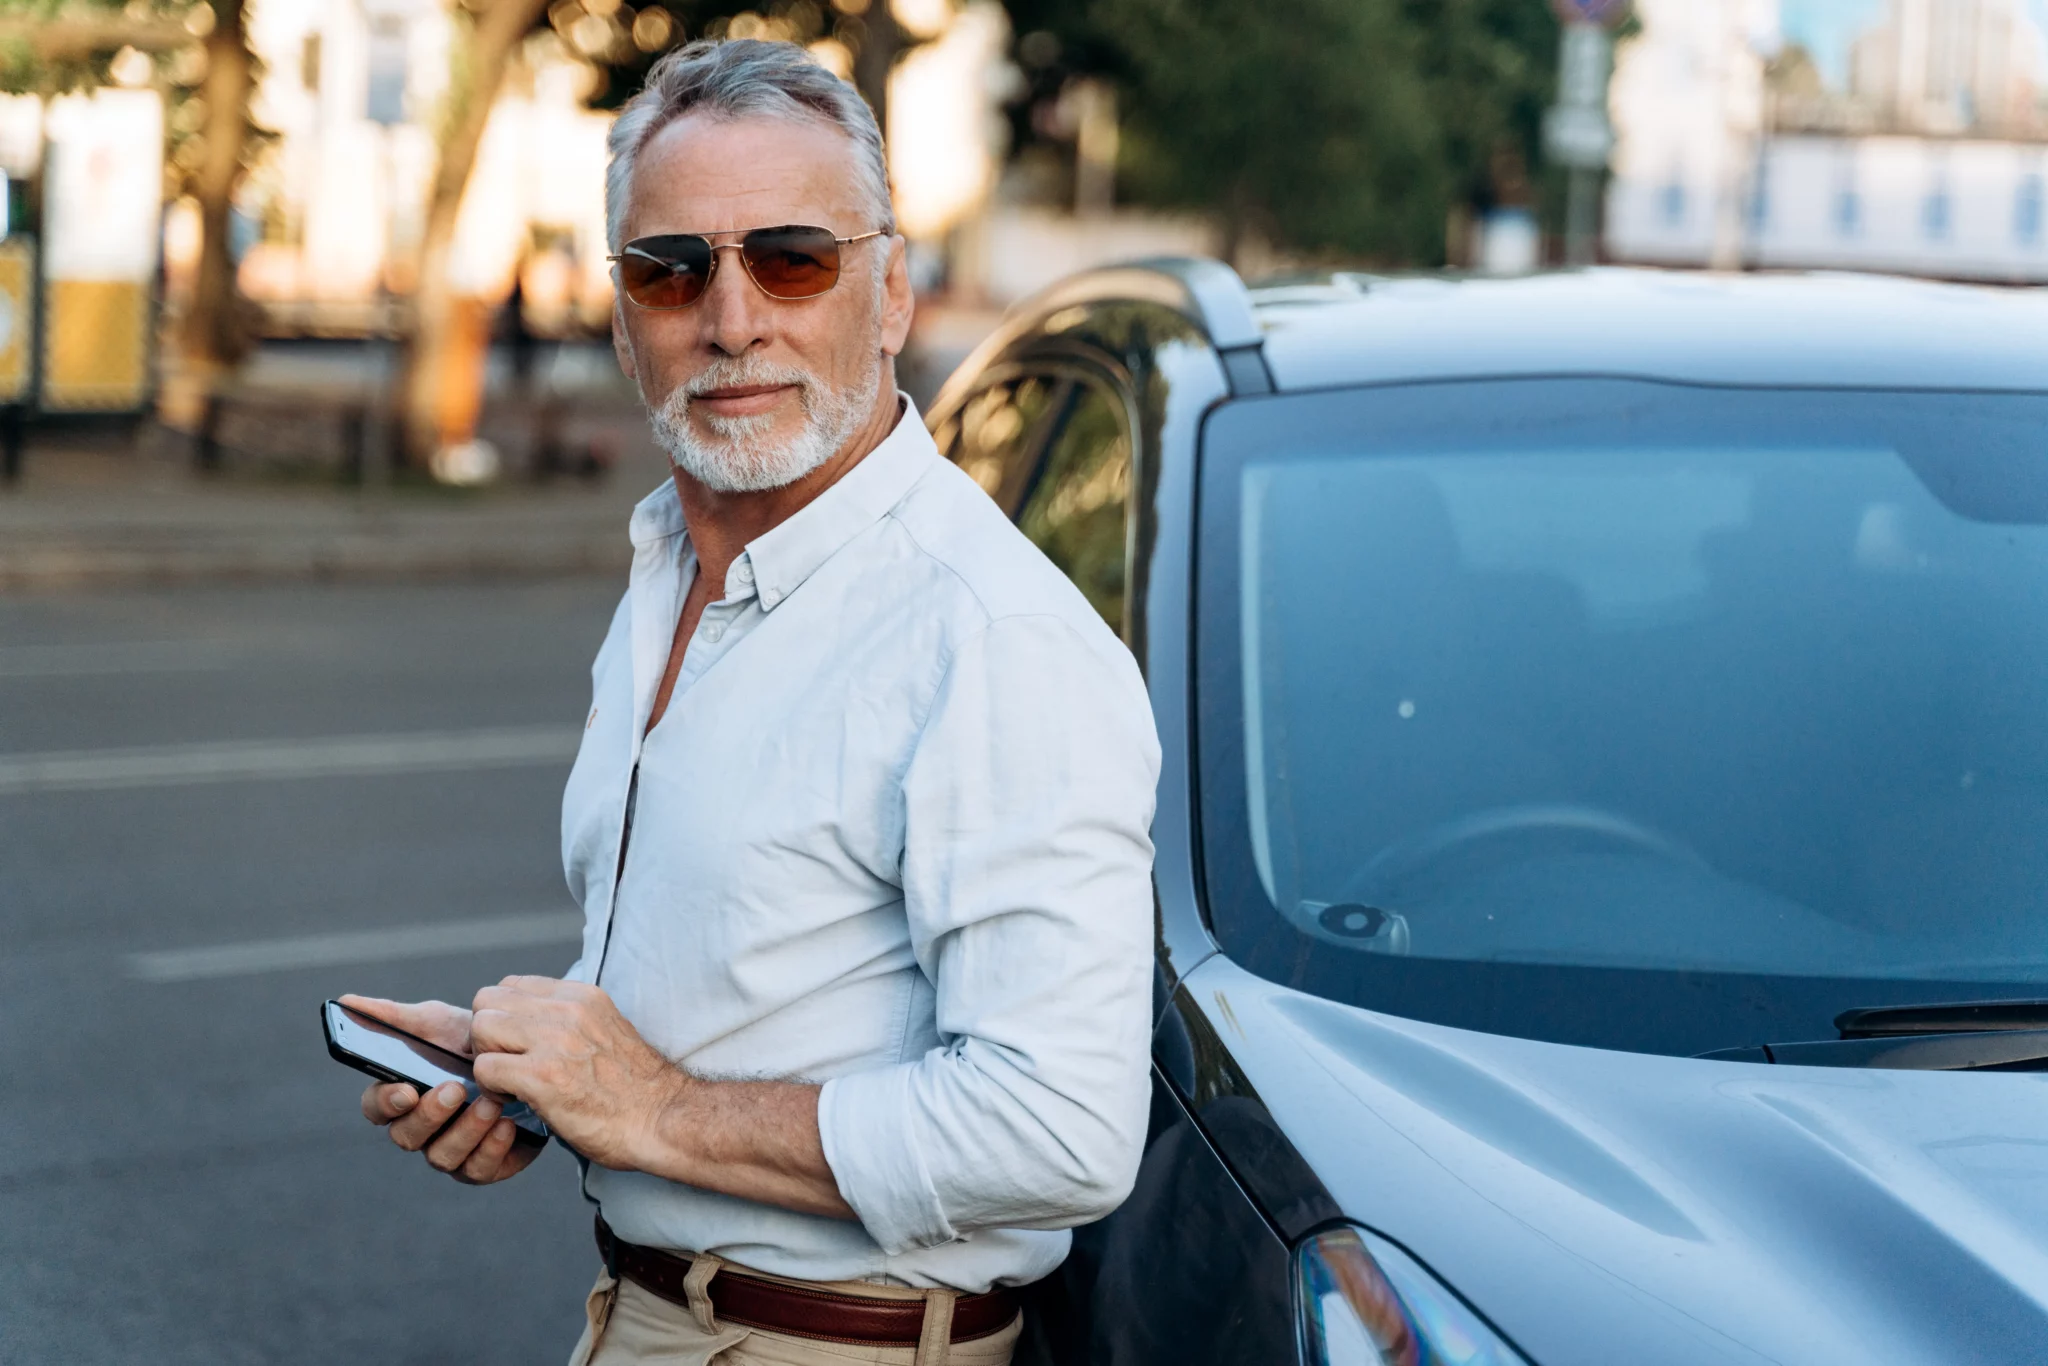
(476,1149)
(564,1048)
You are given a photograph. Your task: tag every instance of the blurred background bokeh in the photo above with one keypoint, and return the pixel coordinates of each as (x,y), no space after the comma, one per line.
(315,468)
(356,240)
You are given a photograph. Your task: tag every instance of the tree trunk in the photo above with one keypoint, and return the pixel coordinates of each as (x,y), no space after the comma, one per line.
(214,334)
(494,34)
(881,43)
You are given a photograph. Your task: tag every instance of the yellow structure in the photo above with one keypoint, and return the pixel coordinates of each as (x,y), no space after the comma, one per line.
(102,209)
(17,319)
(96,346)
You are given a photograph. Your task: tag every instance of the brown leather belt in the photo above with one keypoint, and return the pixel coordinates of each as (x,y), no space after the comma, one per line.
(826,1315)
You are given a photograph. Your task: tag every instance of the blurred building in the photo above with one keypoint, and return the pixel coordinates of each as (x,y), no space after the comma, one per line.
(1896,135)
(1947,68)
(333,210)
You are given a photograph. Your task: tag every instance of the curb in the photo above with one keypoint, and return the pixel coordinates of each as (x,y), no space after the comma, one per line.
(343,558)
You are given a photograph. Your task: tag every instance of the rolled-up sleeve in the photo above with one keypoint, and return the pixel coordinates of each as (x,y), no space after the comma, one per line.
(1027,882)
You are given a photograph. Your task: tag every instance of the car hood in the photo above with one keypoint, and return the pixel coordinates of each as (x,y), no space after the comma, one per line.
(1629,1208)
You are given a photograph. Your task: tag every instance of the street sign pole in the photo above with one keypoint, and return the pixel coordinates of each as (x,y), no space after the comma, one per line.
(1576,131)
(381,451)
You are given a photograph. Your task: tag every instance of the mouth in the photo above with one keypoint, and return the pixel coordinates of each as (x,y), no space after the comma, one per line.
(742,400)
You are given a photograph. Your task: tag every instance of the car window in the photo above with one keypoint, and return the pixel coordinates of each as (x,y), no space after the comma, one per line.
(1627,714)
(994,436)
(1076,512)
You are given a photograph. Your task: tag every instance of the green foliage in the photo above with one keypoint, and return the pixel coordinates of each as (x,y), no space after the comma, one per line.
(1343,127)
(32,63)
(1491,70)
(1306,121)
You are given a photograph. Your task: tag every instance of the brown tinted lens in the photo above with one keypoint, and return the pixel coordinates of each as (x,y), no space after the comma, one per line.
(792,263)
(665,272)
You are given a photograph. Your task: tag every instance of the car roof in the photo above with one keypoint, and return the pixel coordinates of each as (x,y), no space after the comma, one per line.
(1746,329)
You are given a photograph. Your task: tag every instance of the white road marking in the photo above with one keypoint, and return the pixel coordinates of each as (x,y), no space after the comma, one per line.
(357,946)
(100,770)
(130,657)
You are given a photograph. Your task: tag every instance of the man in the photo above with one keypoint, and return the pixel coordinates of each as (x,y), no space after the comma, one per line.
(859,823)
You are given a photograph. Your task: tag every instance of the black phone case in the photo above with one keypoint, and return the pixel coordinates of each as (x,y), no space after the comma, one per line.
(521,1134)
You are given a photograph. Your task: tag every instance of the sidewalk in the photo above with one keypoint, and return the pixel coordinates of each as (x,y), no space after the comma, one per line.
(93,509)
(84,517)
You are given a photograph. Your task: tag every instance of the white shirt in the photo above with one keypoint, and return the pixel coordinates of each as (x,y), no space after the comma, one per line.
(891,835)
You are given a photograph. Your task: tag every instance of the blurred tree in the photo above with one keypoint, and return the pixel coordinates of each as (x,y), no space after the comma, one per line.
(48,47)
(1308,124)
(214,335)
(488,33)
(1341,127)
(1491,71)
(857,36)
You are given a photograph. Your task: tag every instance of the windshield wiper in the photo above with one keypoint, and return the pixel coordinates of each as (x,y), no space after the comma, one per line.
(1960,1017)
(1988,1036)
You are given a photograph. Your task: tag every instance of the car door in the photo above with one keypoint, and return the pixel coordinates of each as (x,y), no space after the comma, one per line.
(1188,1270)
(997,433)
(1077,507)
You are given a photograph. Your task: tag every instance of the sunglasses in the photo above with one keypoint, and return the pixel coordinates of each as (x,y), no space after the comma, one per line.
(674,270)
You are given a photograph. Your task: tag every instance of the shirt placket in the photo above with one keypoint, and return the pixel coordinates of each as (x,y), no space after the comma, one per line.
(714,637)
(718,628)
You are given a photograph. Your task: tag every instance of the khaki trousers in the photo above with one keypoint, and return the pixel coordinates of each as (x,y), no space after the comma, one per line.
(626,1325)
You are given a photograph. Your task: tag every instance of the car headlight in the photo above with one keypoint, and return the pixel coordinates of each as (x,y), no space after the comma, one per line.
(1365,1302)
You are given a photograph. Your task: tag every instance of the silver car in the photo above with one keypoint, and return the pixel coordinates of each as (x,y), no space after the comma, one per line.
(1604,829)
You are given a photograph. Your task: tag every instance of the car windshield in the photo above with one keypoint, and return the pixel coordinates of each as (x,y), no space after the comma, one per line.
(1640,715)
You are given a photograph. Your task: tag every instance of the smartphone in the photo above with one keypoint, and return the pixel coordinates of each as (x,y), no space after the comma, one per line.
(390,1054)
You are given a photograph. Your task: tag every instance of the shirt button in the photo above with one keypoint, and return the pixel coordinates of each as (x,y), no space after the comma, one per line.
(770,596)
(743,571)
(713,632)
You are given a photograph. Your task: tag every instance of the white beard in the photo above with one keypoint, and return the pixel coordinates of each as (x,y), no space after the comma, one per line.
(740,457)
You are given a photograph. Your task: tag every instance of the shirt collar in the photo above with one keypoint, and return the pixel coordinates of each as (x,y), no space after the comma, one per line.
(791,552)
(657,516)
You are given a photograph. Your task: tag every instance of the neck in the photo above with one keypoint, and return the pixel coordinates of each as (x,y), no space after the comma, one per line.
(721,524)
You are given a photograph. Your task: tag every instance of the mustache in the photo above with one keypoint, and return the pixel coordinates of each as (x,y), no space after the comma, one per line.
(729,372)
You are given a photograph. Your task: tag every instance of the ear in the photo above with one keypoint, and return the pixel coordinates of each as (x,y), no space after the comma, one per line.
(622,345)
(899,301)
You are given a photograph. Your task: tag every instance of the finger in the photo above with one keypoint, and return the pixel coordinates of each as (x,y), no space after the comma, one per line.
(384,1102)
(520,1158)
(459,1140)
(547,988)
(485,1165)
(531,985)
(507,1074)
(505,1031)
(516,992)
(435,1021)
(517,1160)
(413,1131)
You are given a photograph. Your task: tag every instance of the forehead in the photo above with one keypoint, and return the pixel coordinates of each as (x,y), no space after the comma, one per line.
(704,174)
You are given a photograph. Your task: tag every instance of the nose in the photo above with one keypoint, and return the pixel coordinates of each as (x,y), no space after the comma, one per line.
(734,314)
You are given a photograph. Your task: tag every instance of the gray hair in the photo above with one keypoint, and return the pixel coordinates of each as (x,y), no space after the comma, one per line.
(744,78)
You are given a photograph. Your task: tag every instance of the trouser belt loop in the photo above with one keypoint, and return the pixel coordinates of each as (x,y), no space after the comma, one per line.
(697,1287)
(608,1247)
(935,1342)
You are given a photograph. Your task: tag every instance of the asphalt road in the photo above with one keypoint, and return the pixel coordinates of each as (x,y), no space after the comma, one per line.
(206,828)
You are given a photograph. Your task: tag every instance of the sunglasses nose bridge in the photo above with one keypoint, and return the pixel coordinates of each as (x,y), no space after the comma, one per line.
(711,271)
